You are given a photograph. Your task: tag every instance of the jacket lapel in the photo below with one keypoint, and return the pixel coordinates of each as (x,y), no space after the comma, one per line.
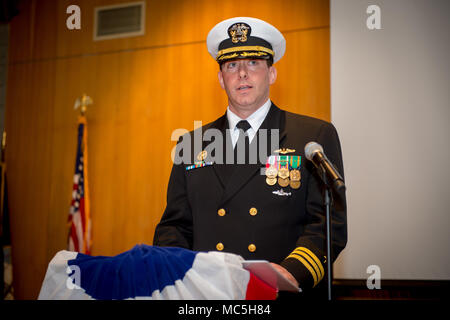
(242,173)
(223,171)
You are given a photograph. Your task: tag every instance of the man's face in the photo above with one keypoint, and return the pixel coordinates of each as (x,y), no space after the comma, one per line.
(247,82)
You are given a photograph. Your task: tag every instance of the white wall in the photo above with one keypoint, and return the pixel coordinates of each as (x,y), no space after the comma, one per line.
(391,105)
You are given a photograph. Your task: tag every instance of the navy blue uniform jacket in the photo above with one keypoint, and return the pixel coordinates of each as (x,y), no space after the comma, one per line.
(287,229)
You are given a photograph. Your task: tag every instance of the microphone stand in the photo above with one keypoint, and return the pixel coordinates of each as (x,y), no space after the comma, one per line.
(327,200)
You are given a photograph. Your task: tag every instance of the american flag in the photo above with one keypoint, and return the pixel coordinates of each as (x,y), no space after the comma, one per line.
(79,216)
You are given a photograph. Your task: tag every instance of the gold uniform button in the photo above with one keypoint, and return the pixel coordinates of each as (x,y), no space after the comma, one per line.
(252,248)
(253,211)
(221,212)
(219,246)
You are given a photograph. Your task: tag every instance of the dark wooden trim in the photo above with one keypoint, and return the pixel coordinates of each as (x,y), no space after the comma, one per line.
(356,289)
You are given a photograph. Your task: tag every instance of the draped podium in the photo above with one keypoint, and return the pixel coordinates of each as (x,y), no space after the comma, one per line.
(151,272)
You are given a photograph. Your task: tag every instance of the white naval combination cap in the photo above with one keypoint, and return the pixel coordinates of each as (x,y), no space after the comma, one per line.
(244,38)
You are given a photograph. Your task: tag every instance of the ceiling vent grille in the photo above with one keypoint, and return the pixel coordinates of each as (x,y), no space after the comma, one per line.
(119,21)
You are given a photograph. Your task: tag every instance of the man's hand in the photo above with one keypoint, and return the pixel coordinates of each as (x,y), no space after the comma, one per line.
(285,273)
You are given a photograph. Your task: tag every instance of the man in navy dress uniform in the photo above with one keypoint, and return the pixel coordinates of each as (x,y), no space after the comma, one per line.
(271,208)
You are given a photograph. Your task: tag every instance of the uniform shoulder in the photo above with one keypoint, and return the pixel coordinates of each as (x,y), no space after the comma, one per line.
(216,124)
(300,119)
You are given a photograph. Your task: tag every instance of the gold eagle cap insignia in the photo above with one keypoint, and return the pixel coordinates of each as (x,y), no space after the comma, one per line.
(239,32)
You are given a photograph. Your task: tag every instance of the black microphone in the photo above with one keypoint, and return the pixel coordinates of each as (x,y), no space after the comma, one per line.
(314,153)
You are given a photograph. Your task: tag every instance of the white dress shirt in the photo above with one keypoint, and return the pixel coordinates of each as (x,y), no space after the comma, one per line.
(255,120)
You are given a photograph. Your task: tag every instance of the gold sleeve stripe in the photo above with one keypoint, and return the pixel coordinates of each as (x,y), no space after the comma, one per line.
(307,265)
(311,262)
(312,255)
(312,265)
(245,48)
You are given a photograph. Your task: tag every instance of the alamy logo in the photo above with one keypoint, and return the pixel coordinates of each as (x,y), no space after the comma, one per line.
(374,280)
(373,21)
(74,277)
(217,144)
(74,20)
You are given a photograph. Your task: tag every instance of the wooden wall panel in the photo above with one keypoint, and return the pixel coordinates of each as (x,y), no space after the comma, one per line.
(303,85)
(29,165)
(143,89)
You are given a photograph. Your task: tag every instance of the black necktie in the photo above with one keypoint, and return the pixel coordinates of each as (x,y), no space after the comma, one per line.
(241,149)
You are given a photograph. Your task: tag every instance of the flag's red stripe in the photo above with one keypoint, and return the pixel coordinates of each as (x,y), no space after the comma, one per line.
(74,237)
(259,290)
(83,215)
